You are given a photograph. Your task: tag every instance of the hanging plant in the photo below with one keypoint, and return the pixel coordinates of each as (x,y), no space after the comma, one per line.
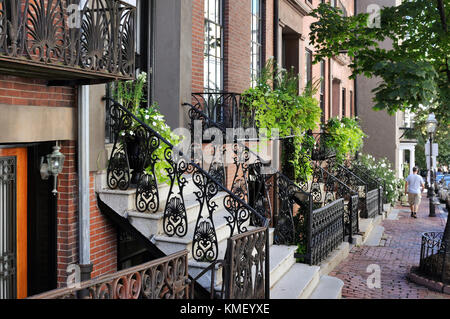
(344,137)
(131,94)
(279,106)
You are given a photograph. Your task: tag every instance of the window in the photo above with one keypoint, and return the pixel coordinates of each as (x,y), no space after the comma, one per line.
(322,90)
(256,45)
(213,55)
(308,67)
(343,102)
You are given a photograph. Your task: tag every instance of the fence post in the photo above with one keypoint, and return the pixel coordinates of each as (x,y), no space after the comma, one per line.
(267,267)
(309,229)
(350,235)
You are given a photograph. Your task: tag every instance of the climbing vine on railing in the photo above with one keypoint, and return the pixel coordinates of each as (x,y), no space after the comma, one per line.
(345,137)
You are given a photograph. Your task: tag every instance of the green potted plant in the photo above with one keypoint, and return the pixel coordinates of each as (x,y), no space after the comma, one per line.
(131,94)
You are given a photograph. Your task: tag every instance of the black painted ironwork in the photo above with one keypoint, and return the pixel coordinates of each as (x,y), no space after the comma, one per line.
(372,203)
(435,257)
(320,150)
(205,243)
(224,108)
(287,197)
(327,230)
(335,188)
(93,41)
(8,215)
(245,268)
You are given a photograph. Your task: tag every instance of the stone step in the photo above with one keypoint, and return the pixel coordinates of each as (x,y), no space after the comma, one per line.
(375,236)
(298,283)
(334,258)
(124,200)
(328,288)
(152,224)
(366,225)
(173,244)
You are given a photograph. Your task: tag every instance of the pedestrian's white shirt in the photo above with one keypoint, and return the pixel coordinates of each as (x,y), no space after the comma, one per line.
(414,183)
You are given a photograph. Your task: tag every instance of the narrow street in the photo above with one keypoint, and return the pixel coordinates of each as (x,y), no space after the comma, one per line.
(395,256)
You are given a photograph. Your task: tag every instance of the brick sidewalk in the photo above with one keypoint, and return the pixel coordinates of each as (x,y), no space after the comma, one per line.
(400,251)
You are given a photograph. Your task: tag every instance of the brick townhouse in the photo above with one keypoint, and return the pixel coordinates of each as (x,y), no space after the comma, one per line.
(51,94)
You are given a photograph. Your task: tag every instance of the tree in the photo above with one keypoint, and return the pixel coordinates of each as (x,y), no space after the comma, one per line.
(414,73)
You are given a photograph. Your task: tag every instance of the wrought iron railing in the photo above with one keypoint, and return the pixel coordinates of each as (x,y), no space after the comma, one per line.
(354,182)
(326,230)
(373,183)
(205,243)
(263,187)
(224,108)
(245,270)
(292,205)
(335,189)
(163,278)
(320,150)
(89,39)
(372,204)
(435,257)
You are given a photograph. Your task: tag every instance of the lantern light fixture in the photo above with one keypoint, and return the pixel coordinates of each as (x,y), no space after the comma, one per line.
(54,166)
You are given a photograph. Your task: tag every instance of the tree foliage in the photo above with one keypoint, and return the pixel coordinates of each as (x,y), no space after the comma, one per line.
(414,72)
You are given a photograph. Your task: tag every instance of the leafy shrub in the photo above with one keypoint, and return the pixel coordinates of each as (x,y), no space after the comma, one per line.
(279,106)
(381,169)
(345,137)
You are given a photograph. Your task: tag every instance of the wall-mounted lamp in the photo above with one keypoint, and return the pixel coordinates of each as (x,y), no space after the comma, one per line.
(54,166)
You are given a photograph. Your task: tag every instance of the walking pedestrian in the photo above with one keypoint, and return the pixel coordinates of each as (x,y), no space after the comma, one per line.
(414,187)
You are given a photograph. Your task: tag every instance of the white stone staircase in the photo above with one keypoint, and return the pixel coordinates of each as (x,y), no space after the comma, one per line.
(288,279)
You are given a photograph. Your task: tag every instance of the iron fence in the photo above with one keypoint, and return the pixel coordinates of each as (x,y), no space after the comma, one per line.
(96,39)
(326,228)
(372,204)
(435,257)
(163,278)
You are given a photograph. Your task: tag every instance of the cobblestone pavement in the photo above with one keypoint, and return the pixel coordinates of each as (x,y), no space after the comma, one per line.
(398,253)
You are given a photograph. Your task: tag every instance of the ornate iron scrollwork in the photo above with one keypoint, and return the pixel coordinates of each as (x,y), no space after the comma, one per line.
(97,38)
(175,218)
(285,228)
(118,171)
(204,243)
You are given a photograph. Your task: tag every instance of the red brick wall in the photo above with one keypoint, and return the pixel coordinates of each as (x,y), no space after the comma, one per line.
(197,44)
(103,238)
(23,91)
(237,40)
(67,213)
(103,241)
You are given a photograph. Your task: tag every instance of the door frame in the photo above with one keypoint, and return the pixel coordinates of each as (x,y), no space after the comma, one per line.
(21,217)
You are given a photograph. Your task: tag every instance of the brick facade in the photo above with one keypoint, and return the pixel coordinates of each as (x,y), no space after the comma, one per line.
(67,213)
(34,92)
(198,26)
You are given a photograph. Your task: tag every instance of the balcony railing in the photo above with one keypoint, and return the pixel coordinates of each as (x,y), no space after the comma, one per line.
(91,41)
(224,108)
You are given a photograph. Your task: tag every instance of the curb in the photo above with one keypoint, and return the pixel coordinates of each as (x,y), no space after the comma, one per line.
(416,278)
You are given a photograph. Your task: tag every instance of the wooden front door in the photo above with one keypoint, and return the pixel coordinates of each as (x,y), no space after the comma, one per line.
(13,223)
